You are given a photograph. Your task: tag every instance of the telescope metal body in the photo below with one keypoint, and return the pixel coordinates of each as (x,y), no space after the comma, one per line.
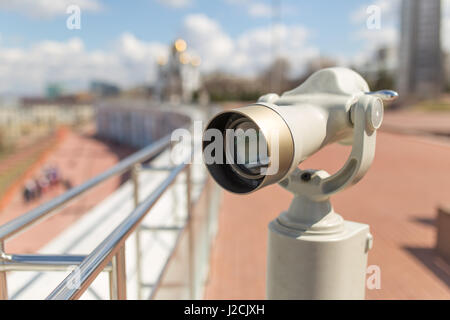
(312,252)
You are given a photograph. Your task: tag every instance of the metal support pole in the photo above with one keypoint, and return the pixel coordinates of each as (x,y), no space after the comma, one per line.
(135,177)
(3,283)
(177,214)
(112,282)
(117,277)
(190,228)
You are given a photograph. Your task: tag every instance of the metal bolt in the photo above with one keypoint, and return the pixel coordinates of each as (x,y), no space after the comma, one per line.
(306,176)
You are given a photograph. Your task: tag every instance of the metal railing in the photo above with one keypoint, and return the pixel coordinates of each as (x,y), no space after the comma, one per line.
(109,255)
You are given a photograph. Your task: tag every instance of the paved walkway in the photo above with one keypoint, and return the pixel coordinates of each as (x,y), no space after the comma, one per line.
(79,157)
(431,126)
(397,198)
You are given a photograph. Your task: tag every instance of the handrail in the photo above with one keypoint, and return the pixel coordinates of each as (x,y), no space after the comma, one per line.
(96,261)
(22,222)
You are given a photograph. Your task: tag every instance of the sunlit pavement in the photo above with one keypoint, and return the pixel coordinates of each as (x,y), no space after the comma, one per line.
(398,198)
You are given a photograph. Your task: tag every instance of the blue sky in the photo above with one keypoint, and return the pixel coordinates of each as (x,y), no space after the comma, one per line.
(151,20)
(120,40)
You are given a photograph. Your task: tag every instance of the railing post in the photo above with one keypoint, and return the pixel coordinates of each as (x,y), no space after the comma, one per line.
(192,278)
(135,177)
(3,283)
(117,277)
(112,284)
(177,214)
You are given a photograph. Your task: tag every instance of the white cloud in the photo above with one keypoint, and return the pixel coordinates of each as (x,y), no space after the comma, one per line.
(389,11)
(131,61)
(256,46)
(28,71)
(47,8)
(259,10)
(251,51)
(386,36)
(208,39)
(133,49)
(175,3)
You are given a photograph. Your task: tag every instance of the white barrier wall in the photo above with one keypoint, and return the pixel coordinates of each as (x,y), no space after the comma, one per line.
(136,124)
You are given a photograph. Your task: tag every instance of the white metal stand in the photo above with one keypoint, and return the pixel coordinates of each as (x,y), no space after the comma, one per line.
(314,254)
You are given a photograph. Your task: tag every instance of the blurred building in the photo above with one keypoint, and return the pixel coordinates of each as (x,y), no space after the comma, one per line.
(179,75)
(420,58)
(104,89)
(36,116)
(54,90)
(447,71)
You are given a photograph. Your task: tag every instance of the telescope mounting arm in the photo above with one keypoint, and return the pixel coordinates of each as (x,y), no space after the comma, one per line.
(366,115)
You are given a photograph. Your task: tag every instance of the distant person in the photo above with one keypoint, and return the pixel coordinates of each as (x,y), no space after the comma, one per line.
(38,187)
(30,190)
(56,175)
(46,171)
(67,184)
(43,184)
(26,194)
(52,174)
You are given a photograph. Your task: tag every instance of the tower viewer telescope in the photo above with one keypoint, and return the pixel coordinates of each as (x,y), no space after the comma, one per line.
(312,252)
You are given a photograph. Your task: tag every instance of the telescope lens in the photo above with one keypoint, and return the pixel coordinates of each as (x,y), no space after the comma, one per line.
(246,149)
